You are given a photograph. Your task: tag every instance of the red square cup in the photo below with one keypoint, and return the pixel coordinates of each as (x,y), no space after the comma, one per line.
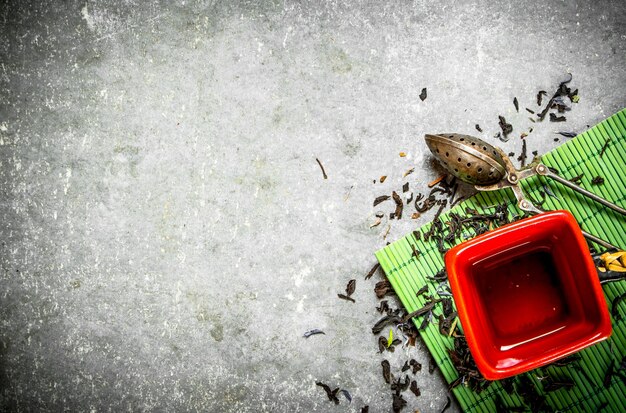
(527,294)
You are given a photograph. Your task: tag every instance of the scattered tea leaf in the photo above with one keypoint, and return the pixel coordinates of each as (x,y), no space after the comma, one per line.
(383,288)
(399,385)
(382,178)
(540,96)
(332,394)
(577,178)
(421,291)
(408,172)
(322,168)
(606,145)
(402,154)
(398,403)
(530,111)
(382,344)
(347,395)
(405,367)
(386,371)
(310,333)
(372,271)
(380,199)
(416,391)
(415,215)
(506,127)
(345,297)
(416,365)
(376,223)
(567,134)
(516,104)
(598,180)
(388,319)
(399,204)
(365,409)
(405,187)
(554,118)
(431,365)
(424,94)
(478,128)
(436,181)
(350,287)
(383,307)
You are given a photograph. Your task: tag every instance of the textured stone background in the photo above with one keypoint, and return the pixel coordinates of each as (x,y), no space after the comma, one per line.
(166,234)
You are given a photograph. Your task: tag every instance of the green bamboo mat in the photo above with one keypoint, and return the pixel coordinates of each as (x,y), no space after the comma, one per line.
(580,155)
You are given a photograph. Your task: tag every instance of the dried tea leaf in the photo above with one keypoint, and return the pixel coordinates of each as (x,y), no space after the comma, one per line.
(380,199)
(347,395)
(436,181)
(322,168)
(365,409)
(506,127)
(424,94)
(416,365)
(376,223)
(345,297)
(415,215)
(516,104)
(598,180)
(408,172)
(350,287)
(382,178)
(399,204)
(383,307)
(606,145)
(421,291)
(540,96)
(567,134)
(399,385)
(405,187)
(398,403)
(554,118)
(372,271)
(405,367)
(478,128)
(530,111)
(388,319)
(416,391)
(332,394)
(310,333)
(383,288)
(402,154)
(386,371)
(382,344)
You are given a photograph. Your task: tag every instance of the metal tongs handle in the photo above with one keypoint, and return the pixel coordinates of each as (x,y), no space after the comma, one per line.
(543,170)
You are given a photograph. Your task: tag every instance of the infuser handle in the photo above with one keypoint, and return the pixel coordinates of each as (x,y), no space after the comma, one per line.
(543,170)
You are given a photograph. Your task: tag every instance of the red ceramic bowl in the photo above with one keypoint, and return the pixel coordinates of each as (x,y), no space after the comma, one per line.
(527,294)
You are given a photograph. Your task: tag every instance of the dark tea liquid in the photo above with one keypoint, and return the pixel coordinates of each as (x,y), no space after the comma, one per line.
(522,298)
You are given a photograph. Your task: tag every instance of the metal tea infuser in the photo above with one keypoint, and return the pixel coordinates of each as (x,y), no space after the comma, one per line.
(488,168)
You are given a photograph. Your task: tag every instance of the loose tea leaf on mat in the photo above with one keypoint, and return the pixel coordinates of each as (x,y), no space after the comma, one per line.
(372,271)
(345,297)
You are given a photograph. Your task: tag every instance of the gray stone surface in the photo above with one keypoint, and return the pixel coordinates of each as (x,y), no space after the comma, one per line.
(166,234)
